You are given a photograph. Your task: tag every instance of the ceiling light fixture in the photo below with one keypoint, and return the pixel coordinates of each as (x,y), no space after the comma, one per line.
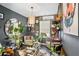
(31,18)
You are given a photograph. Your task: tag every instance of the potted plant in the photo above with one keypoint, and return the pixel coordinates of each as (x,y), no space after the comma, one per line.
(42,37)
(16,29)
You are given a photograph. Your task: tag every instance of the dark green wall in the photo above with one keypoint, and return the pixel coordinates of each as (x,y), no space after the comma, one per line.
(9,14)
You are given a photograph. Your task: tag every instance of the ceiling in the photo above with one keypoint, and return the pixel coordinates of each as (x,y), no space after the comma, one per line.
(39,9)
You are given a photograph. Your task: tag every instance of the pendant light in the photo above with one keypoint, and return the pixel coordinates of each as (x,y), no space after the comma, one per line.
(31,18)
(59,15)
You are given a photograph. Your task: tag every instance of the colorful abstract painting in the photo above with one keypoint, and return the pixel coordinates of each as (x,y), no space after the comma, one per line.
(70,19)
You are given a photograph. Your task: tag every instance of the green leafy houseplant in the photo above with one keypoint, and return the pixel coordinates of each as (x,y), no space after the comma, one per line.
(59,26)
(52,49)
(42,37)
(16,29)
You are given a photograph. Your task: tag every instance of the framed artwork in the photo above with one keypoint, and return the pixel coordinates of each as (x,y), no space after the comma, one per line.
(70,18)
(1,16)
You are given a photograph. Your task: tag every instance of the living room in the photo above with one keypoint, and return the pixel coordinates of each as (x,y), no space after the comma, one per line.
(39,29)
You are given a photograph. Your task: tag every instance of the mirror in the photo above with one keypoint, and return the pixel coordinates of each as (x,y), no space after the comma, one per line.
(13,28)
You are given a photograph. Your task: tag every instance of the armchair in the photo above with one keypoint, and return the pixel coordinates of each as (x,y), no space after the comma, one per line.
(28,40)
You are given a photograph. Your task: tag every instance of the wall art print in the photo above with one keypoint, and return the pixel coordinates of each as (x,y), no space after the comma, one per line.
(70,19)
(1,16)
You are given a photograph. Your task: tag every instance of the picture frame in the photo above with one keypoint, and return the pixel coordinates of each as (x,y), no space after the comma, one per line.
(71,21)
(1,16)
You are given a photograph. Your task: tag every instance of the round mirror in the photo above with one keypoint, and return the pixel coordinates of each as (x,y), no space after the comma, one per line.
(13,28)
